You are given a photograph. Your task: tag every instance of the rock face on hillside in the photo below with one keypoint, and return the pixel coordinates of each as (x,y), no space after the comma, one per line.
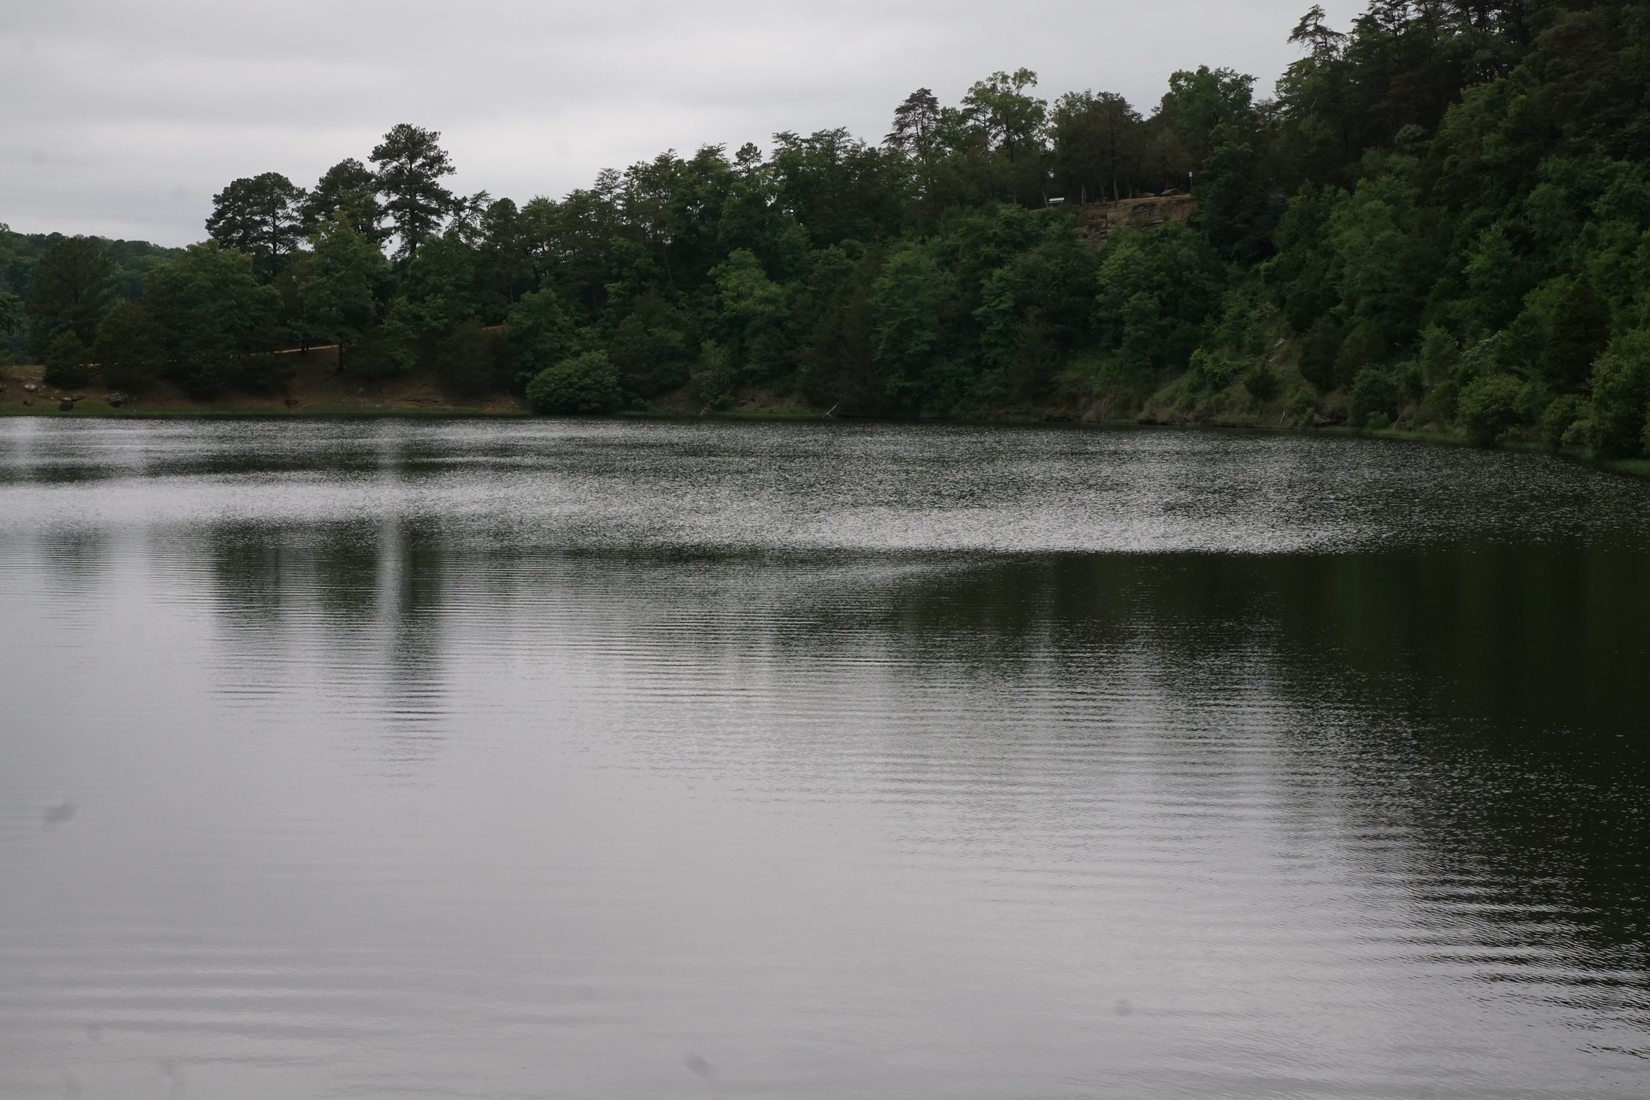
(1101,219)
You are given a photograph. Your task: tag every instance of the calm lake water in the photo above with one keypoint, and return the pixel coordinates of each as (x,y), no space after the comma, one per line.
(558,759)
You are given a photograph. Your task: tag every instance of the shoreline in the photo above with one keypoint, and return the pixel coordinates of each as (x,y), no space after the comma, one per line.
(1634,468)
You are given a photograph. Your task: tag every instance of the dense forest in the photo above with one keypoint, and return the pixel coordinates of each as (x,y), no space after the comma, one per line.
(1441,220)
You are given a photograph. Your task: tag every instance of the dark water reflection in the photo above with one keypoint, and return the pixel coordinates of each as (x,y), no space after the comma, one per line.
(566,760)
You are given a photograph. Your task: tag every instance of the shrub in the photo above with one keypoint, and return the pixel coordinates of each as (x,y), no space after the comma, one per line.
(382,352)
(466,361)
(130,347)
(1318,351)
(1560,417)
(1301,405)
(1488,407)
(1209,370)
(1366,344)
(1375,392)
(66,360)
(1261,383)
(1621,396)
(1578,436)
(712,375)
(580,385)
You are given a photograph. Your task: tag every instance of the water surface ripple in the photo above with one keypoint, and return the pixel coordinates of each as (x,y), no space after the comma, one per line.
(557,759)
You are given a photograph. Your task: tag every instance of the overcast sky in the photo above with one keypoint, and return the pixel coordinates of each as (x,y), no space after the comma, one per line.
(122,117)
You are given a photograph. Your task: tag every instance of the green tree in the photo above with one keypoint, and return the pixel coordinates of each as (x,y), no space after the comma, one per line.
(1489,406)
(753,316)
(911,304)
(1001,107)
(649,347)
(1375,392)
(1158,293)
(214,314)
(504,267)
(348,190)
(539,332)
(11,312)
(1577,333)
(69,291)
(1097,145)
(411,165)
(1621,396)
(438,289)
(260,216)
(1206,106)
(66,360)
(339,300)
(131,347)
(915,120)
(836,187)
(467,361)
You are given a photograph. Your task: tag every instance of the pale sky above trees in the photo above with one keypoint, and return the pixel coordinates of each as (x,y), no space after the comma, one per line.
(123,119)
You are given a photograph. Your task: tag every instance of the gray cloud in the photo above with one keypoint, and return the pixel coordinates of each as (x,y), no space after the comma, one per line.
(125,117)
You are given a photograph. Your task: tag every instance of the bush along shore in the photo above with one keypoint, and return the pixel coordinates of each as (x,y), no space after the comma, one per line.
(1438,226)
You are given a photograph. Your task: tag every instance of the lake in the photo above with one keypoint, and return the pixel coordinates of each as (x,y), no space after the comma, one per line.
(616,759)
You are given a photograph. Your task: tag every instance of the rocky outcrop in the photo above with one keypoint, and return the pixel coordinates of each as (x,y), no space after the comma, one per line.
(1102,219)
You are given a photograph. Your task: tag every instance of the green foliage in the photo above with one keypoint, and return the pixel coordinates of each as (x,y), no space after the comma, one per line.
(999,134)
(1321,349)
(347,192)
(1577,331)
(1367,345)
(649,347)
(1621,396)
(66,361)
(579,385)
(1099,146)
(1205,106)
(910,305)
(712,375)
(1158,292)
(338,296)
(70,292)
(1210,371)
(753,316)
(467,361)
(1443,218)
(438,289)
(1300,406)
(260,216)
(411,165)
(11,312)
(539,331)
(379,353)
(1560,417)
(1488,407)
(1375,392)
(1261,382)
(214,313)
(131,347)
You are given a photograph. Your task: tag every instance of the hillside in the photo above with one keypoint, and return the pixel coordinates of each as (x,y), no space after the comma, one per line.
(1440,223)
